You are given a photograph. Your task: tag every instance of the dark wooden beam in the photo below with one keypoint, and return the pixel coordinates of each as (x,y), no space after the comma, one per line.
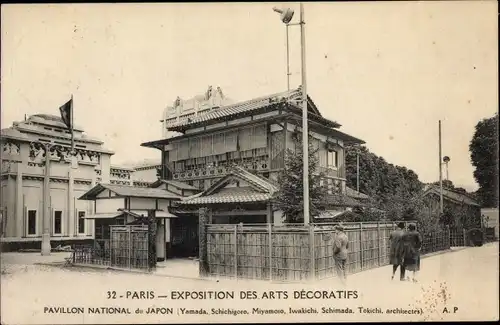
(274,118)
(239,213)
(262,110)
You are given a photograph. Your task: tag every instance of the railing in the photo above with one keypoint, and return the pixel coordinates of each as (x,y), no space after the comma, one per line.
(489,234)
(127,248)
(436,241)
(91,255)
(295,252)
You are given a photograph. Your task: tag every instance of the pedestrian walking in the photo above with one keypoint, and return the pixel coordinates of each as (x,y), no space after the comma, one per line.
(396,252)
(412,242)
(340,250)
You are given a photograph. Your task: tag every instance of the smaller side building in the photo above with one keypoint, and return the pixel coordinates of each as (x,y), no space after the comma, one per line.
(465,212)
(490,218)
(124,204)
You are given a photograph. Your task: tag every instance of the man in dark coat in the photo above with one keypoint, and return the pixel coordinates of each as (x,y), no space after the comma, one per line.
(412,242)
(396,252)
(341,245)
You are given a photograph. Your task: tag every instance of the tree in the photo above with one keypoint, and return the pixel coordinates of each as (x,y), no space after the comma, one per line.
(484,156)
(290,196)
(391,187)
(447,184)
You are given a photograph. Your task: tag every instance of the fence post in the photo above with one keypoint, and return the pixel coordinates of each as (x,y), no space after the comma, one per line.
(270,242)
(311,250)
(449,236)
(465,237)
(235,233)
(361,245)
(129,246)
(378,242)
(111,250)
(203,250)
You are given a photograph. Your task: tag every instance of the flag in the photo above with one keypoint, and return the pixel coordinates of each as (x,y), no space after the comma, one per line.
(66,113)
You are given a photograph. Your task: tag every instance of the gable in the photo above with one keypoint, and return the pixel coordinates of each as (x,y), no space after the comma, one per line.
(106,194)
(457,198)
(229,181)
(239,177)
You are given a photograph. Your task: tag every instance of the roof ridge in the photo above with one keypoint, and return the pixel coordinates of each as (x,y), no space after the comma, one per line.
(267,184)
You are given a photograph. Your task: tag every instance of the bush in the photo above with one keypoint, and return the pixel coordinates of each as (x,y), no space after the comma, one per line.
(475,237)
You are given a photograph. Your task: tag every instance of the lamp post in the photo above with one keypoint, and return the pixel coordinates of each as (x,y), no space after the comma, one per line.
(286,17)
(446,160)
(441,210)
(46,147)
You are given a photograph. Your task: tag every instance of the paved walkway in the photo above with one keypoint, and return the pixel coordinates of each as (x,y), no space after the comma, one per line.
(466,279)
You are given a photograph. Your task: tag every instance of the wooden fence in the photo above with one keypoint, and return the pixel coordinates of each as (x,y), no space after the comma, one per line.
(128,248)
(298,252)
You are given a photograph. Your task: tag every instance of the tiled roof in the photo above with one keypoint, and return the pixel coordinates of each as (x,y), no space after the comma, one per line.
(355,194)
(254,180)
(258,189)
(230,195)
(131,191)
(451,195)
(12,133)
(334,214)
(248,106)
(342,200)
(179,185)
(53,120)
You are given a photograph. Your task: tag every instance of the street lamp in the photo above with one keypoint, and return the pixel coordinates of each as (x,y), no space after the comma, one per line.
(46,147)
(286,17)
(446,160)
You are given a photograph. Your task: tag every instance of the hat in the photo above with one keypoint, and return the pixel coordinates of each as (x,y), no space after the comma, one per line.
(339,227)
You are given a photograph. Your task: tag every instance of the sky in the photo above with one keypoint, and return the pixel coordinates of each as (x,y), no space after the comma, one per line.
(386,71)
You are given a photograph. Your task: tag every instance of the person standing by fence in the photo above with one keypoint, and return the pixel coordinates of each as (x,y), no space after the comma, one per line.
(412,242)
(340,247)
(396,252)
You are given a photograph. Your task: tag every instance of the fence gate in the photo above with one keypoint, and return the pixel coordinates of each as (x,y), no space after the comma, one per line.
(129,247)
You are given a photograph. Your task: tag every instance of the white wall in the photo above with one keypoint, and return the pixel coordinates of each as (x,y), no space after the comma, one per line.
(109,205)
(148,175)
(163,204)
(493,218)
(278,217)
(142,203)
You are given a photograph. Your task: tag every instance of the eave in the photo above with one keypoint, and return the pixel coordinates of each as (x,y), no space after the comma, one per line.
(158,144)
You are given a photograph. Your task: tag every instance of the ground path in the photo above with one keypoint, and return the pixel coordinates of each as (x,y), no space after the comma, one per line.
(466,279)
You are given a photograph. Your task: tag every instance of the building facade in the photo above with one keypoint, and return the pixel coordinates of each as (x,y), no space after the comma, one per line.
(201,144)
(464,211)
(490,218)
(22,177)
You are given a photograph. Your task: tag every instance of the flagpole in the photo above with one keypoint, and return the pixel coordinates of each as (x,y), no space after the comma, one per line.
(72,127)
(73,222)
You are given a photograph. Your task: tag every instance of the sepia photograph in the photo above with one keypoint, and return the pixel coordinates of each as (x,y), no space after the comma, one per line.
(249,162)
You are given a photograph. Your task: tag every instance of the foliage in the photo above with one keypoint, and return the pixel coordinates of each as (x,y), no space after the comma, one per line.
(447,218)
(391,187)
(484,156)
(290,197)
(416,209)
(447,184)
(398,191)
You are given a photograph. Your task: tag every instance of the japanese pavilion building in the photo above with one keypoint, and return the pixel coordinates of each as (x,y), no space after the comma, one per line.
(232,154)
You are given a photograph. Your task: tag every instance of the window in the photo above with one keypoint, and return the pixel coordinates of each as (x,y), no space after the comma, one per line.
(32,222)
(81,222)
(57,222)
(332,159)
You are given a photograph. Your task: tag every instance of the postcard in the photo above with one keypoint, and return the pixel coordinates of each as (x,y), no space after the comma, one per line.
(249,162)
